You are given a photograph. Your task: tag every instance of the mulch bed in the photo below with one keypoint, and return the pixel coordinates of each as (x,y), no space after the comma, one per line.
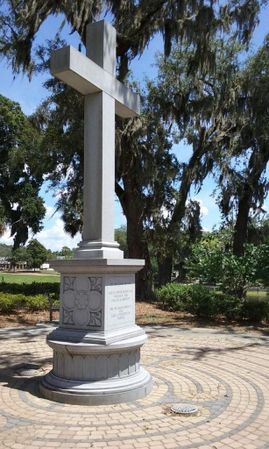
(146,314)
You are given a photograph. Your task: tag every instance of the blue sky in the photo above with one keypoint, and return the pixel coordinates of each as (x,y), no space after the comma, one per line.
(30,94)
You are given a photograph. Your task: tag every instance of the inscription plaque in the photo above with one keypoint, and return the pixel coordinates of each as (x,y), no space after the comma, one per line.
(120,304)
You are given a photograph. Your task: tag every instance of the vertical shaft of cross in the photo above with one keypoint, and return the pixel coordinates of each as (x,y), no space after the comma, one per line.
(99,152)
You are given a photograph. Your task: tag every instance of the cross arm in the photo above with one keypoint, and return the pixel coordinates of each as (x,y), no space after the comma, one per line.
(84,75)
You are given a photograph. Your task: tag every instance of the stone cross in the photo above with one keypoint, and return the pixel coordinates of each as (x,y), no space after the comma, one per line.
(96,348)
(94,77)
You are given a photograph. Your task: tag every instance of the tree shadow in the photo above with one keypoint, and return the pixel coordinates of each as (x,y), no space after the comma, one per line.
(201,353)
(23,371)
(23,333)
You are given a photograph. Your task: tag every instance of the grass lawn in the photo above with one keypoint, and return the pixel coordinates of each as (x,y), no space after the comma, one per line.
(257,294)
(29,278)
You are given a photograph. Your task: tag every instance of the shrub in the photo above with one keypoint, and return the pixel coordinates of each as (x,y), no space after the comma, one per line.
(255,311)
(227,305)
(35,288)
(197,300)
(37,302)
(207,303)
(9,303)
(212,262)
(174,296)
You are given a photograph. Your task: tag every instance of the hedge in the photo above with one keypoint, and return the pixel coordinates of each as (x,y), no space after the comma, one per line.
(202,302)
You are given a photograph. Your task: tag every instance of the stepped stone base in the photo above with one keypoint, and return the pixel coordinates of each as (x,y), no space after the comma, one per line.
(93,374)
(96,348)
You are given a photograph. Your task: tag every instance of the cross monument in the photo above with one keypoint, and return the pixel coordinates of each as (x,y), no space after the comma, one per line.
(96,348)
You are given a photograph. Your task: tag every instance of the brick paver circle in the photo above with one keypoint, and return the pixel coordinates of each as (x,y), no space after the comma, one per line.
(225,375)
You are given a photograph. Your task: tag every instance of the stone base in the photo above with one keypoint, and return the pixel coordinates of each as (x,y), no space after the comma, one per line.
(113,391)
(96,348)
(98,250)
(101,374)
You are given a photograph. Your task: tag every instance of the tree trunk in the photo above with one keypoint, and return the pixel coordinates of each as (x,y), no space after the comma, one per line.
(137,245)
(256,166)
(165,268)
(241,225)
(137,249)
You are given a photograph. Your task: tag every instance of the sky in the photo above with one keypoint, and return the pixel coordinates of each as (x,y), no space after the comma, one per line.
(29,94)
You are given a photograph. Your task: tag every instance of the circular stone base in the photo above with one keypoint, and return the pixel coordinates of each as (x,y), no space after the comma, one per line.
(110,391)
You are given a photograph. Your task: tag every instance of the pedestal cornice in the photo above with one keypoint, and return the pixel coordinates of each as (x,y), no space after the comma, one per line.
(82,266)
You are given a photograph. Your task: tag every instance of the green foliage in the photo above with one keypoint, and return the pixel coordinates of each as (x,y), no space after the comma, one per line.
(20,173)
(255,311)
(27,296)
(136,22)
(174,296)
(263,265)
(36,254)
(35,288)
(18,255)
(240,272)
(146,171)
(2,221)
(9,303)
(242,176)
(205,261)
(36,302)
(121,238)
(62,116)
(5,250)
(197,300)
(65,252)
(212,261)
(204,303)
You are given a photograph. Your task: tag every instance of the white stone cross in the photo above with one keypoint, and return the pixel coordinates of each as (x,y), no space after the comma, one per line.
(94,76)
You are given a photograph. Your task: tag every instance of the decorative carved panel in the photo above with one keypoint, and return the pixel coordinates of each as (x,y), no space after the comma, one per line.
(82,302)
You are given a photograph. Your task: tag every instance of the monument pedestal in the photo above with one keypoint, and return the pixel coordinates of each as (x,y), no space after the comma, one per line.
(96,348)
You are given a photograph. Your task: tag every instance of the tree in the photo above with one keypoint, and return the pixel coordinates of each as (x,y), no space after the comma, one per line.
(212,261)
(148,177)
(5,250)
(121,238)
(196,103)
(258,230)
(191,22)
(144,168)
(36,254)
(145,175)
(243,181)
(137,22)
(66,252)
(21,208)
(17,255)
(2,220)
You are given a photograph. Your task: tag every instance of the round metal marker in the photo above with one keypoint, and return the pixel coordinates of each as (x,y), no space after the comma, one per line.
(27,369)
(184,409)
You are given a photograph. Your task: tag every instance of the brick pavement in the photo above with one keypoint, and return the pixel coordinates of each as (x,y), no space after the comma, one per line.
(226,375)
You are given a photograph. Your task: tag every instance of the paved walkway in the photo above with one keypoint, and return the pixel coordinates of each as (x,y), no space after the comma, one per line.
(225,375)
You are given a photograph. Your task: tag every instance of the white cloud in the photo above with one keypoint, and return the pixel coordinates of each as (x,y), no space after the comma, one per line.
(50,212)
(204,210)
(5,238)
(54,237)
